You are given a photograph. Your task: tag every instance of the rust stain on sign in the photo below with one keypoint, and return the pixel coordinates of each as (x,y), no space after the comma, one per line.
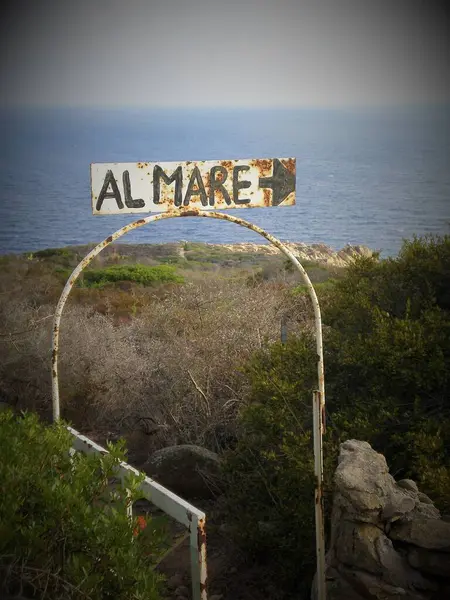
(206,185)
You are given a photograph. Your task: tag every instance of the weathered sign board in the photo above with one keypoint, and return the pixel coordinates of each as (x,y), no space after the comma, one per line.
(206,185)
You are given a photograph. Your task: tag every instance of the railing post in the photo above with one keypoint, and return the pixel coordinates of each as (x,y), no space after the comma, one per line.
(318,472)
(197,543)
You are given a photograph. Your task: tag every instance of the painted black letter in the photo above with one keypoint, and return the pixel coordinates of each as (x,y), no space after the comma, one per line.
(129,201)
(109,181)
(240,185)
(176,176)
(199,190)
(217,184)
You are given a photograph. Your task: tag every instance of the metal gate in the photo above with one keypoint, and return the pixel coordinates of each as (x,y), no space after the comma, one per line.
(183,512)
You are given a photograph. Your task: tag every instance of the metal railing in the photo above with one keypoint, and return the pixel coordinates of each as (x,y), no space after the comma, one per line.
(181,511)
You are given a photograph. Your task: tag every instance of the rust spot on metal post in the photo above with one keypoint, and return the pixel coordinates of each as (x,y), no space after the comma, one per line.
(319,491)
(201,534)
(201,546)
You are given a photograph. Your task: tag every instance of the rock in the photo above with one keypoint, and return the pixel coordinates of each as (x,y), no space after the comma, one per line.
(364,487)
(425,499)
(426,511)
(433,563)
(408,484)
(365,547)
(371,587)
(432,534)
(187,470)
(370,511)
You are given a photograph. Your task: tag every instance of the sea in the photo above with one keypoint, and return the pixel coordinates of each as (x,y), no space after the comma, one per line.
(372,177)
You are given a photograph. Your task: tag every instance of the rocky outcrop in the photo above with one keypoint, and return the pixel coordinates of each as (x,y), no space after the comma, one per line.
(319,253)
(189,471)
(388,540)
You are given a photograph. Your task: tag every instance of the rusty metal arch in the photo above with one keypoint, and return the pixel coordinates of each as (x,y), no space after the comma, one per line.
(319,394)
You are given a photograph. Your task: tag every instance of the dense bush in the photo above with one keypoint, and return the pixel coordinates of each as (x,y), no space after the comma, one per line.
(141,274)
(387,361)
(60,536)
(270,473)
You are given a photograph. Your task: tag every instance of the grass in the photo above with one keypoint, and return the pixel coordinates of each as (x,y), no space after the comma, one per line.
(140,274)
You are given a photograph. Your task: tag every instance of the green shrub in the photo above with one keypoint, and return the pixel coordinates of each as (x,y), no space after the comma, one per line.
(270,474)
(140,274)
(387,365)
(60,536)
(53,252)
(388,358)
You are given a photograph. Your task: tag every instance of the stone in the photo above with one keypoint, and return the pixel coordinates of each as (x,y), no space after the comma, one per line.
(365,547)
(422,510)
(408,484)
(425,499)
(432,563)
(187,470)
(433,534)
(365,489)
(382,547)
(371,587)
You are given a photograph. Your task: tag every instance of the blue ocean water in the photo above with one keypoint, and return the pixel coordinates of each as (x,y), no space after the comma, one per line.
(363,177)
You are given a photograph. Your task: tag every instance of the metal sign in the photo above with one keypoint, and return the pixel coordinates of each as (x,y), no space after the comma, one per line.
(206,185)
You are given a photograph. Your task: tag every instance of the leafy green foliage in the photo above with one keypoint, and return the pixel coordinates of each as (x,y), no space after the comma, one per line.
(270,474)
(140,274)
(64,532)
(387,362)
(52,252)
(388,356)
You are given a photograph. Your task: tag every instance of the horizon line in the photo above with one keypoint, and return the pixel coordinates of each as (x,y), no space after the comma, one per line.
(246,107)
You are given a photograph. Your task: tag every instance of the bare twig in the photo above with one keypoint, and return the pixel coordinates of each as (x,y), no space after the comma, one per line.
(201,392)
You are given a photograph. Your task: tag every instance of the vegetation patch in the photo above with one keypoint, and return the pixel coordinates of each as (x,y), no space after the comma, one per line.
(140,274)
(387,363)
(64,533)
(53,252)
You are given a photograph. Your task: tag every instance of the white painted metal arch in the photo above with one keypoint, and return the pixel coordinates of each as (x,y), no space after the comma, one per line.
(199,572)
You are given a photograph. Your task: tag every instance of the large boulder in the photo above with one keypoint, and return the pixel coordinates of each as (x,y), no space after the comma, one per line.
(388,541)
(365,490)
(187,470)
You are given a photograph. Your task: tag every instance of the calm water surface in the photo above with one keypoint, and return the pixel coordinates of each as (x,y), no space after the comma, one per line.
(370,178)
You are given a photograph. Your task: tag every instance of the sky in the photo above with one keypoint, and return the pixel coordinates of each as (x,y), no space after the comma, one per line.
(224,53)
